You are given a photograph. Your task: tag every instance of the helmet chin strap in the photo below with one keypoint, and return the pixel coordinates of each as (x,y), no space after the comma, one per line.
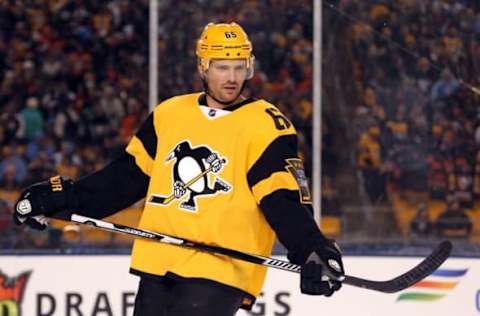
(205,88)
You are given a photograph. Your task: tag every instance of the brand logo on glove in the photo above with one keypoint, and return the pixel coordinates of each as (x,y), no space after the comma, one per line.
(56,183)
(334,265)
(24,207)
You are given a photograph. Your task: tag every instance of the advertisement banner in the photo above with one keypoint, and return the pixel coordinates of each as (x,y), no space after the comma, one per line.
(66,285)
(454,289)
(101,285)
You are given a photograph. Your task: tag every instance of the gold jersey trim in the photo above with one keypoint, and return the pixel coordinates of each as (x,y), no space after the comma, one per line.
(142,158)
(276,181)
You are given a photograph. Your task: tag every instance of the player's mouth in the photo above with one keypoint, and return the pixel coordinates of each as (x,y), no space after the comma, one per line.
(230,87)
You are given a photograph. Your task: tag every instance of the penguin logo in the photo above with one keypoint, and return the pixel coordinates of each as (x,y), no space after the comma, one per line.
(191,175)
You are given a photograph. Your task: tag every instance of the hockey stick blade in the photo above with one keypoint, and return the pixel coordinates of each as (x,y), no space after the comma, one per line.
(409,278)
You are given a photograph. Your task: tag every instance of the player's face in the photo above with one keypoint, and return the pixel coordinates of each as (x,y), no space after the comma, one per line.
(225,78)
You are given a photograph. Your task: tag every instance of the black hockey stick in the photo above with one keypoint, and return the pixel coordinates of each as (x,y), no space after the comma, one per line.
(409,278)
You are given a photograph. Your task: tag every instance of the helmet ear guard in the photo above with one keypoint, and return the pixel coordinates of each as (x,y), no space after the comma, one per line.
(224,41)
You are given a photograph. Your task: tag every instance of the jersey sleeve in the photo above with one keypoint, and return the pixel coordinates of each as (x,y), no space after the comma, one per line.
(278,167)
(143,145)
(123,181)
(273,157)
(279,184)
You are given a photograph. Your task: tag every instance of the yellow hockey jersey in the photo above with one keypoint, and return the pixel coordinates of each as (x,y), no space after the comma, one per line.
(220,201)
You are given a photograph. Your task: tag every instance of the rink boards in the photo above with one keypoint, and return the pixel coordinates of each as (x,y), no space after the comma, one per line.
(101,285)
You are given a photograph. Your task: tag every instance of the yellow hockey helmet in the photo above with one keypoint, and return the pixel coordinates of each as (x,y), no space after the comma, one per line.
(224,41)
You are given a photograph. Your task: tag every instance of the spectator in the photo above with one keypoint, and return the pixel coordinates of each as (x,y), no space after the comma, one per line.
(330,202)
(11,125)
(463,183)
(40,143)
(369,161)
(476,177)
(439,172)
(421,226)
(454,222)
(5,225)
(32,118)
(39,168)
(12,164)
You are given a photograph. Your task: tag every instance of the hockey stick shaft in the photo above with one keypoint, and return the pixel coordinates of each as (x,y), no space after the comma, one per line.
(416,274)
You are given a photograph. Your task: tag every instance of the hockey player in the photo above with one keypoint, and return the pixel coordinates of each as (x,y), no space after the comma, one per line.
(216,168)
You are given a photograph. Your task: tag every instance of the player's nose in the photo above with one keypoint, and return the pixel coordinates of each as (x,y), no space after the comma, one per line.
(231,76)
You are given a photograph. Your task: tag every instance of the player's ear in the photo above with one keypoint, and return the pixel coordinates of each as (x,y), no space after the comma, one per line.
(201,71)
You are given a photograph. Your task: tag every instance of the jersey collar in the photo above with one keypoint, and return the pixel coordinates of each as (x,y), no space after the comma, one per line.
(202,101)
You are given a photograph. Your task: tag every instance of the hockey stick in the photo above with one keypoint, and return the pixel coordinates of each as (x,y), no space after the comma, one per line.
(407,279)
(165,200)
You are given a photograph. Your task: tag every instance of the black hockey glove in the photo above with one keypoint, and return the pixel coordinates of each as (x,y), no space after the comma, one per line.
(322,273)
(43,199)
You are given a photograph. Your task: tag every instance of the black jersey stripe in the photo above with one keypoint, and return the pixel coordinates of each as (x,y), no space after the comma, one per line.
(111,189)
(292,222)
(273,159)
(148,137)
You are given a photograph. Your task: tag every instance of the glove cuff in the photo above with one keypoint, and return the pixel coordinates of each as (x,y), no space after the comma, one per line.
(312,243)
(59,197)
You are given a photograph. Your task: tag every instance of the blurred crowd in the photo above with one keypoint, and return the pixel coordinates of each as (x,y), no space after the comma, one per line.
(72,89)
(417,115)
(74,86)
(71,85)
